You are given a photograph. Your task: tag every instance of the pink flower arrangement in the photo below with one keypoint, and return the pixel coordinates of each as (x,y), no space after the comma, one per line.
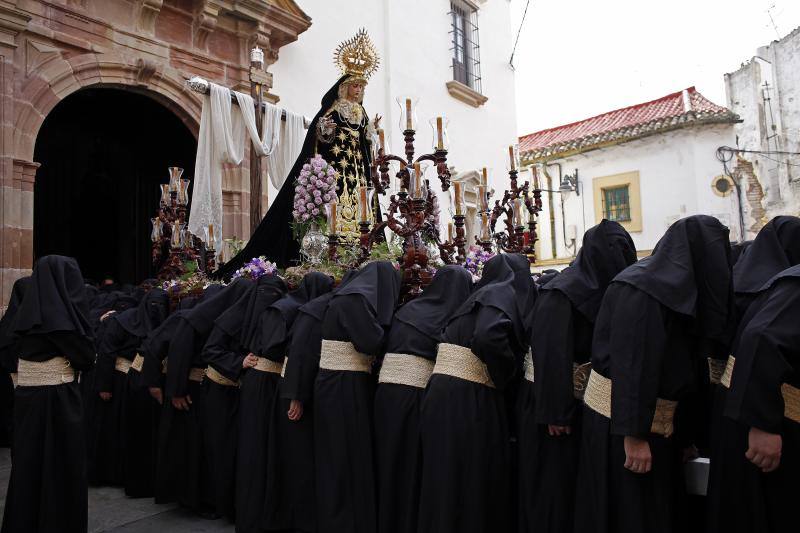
(315,188)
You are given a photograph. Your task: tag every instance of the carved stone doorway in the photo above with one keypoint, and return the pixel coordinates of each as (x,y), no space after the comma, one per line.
(103,152)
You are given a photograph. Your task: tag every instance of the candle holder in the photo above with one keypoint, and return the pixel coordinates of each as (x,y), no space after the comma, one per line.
(173,245)
(516,200)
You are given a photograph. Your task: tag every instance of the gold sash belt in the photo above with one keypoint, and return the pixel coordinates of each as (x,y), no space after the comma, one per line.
(791,395)
(598,399)
(460,362)
(338,355)
(527,364)
(55,371)
(122,365)
(267,365)
(283,367)
(218,378)
(14,379)
(406,369)
(138,363)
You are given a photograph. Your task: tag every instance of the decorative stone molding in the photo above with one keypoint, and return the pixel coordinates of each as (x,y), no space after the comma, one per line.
(148,12)
(145,70)
(205,22)
(12,22)
(461,92)
(37,54)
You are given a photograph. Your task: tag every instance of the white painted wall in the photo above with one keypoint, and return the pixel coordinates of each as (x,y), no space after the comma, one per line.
(771,122)
(413,39)
(675,172)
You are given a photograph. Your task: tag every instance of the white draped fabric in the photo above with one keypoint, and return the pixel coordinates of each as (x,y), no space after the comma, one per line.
(222,140)
(293,134)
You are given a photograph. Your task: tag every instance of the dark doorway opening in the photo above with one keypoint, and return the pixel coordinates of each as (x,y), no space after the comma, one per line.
(103,154)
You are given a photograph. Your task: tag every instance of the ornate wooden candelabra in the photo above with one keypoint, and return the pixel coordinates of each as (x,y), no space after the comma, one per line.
(513,239)
(411,215)
(173,245)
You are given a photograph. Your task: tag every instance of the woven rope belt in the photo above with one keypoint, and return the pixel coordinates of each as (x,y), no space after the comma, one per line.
(14,379)
(598,399)
(460,362)
(55,371)
(122,365)
(716,367)
(727,374)
(791,395)
(267,365)
(218,378)
(791,402)
(138,363)
(406,369)
(580,379)
(527,364)
(338,355)
(283,367)
(197,374)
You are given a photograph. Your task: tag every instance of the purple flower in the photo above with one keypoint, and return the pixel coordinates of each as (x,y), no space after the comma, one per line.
(318,200)
(301,209)
(326,197)
(315,212)
(305,217)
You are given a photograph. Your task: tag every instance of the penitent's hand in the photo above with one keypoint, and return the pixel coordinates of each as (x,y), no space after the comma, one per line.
(764,449)
(182,403)
(295,412)
(557,431)
(638,458)
(250,361)
(105,396)
(155,392)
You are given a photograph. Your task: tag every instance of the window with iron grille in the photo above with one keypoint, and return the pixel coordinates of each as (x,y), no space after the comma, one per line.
(616,204)
(466,56)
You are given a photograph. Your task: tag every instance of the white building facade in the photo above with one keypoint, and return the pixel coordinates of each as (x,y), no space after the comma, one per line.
(645,166)
(765,92)
(451,54)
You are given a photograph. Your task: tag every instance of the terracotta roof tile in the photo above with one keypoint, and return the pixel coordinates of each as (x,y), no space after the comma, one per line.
(664,114)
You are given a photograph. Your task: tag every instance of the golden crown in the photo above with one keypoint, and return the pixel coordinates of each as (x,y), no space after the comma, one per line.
(357,56)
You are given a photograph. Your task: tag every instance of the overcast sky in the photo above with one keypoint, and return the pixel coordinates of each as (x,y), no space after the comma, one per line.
(579,58)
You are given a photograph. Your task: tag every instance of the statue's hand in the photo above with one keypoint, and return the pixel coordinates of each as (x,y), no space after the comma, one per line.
(377,121)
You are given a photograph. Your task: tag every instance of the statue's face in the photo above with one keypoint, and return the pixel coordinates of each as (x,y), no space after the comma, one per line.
(355,91)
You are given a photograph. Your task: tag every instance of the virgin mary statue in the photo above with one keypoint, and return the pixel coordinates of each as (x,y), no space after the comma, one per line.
(342,134)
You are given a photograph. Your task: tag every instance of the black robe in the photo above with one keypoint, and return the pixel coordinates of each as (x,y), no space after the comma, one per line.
(8,360)
(290,499)
(47,489)
(775,248)
(224,352)
(141,411)
(182,433)
(416,330)
(654,320)
(767,352)
(359,313)
(563,322)
(466,477)
(108,436)
(267,336)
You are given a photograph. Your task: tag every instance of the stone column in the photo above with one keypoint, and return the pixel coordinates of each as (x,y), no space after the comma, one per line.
(16,177)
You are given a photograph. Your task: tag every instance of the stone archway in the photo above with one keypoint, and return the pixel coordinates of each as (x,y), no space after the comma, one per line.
(97,185)
(53,80)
